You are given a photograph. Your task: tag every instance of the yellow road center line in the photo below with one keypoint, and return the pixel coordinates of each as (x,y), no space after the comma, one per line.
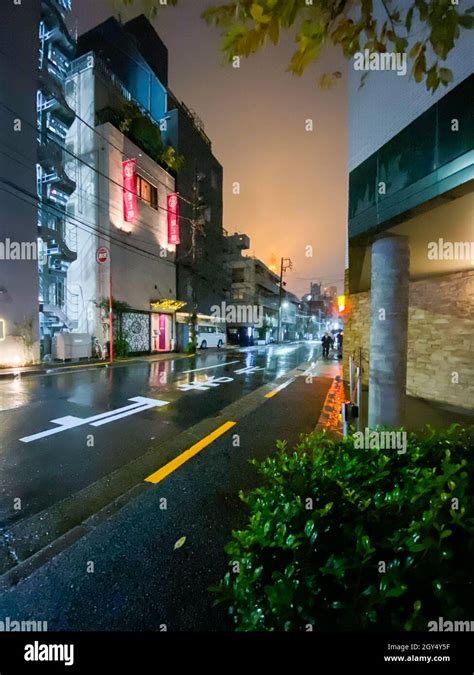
(187,454)
(271,393)
(275,391)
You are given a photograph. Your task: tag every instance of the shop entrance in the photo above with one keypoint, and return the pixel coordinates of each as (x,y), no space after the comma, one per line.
(161,332)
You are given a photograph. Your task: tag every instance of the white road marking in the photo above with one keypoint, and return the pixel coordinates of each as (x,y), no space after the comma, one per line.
(248,369)
(283,385)
(140,404)
(219,365)
(204,385)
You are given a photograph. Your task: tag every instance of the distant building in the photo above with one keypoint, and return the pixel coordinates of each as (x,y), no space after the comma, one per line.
(253,287)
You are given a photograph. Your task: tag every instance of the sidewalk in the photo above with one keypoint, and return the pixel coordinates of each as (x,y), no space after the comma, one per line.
(84,364)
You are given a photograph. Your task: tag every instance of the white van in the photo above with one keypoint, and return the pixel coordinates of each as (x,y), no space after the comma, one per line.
(210,336)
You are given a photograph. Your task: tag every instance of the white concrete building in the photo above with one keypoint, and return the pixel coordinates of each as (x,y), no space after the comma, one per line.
(140,263)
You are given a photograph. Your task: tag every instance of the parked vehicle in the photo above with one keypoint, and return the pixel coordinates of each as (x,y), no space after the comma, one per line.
(210,336)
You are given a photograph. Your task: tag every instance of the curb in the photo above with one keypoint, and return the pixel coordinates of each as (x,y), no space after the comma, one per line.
(330,417)
(60,370)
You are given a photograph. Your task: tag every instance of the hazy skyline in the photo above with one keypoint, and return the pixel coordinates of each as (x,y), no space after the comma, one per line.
(293,182)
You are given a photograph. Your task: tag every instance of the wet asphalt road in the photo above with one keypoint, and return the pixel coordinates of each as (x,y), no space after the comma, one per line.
(46,470)
(126,574)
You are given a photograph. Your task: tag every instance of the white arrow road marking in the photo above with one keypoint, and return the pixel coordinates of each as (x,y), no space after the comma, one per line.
(69,422)
(204,385)
(248,369)
(219,365)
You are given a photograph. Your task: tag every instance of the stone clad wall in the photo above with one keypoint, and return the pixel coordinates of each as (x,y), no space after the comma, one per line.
(440,338)
(356,332)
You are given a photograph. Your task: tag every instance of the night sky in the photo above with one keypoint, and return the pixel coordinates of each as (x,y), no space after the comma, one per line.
(293,182)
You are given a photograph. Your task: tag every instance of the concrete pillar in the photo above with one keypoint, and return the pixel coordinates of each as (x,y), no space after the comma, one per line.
(388,331)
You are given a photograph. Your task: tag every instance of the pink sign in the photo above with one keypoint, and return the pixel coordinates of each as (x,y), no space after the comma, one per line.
(130,204)
(173,219)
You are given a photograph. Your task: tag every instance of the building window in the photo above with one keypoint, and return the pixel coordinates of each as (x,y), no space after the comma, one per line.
(214,179)
(147,192)
(238,275)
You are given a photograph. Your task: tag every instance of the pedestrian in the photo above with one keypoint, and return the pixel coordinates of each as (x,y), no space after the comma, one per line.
(340,341)
(326,343)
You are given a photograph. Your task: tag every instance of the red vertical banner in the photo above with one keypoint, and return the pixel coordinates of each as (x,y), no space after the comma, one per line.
(130,205)
(173,219)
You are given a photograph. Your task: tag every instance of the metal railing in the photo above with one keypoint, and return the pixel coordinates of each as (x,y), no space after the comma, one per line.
(352,412)
(90,60)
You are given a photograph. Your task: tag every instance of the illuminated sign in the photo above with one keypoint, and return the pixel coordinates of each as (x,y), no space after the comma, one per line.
(173,219)
(341,303)
(2,330)
(167,305)
(130,204)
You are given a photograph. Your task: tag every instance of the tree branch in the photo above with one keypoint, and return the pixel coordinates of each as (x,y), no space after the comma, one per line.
(388,14)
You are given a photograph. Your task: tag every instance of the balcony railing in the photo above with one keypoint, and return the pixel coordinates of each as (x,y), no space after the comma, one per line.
(90,60)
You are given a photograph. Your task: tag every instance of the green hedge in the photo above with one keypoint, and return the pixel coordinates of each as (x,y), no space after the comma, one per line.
(341,538)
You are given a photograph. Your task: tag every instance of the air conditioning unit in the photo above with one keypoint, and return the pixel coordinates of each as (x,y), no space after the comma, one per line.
(71,346)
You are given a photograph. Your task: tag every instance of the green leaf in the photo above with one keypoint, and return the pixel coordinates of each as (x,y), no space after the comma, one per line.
(445,533)
(258,14)
(419,67)
(414,51)
(308,528)
(256,11)
(274,30)
(400,589)
(446,76)
(179,543)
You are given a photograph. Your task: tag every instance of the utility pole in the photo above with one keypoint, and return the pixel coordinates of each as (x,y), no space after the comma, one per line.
(196,225)
(285,264)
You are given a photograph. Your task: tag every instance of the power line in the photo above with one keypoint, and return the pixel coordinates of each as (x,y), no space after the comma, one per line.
(93,129)
(68,217)
(105,208)
(79,159)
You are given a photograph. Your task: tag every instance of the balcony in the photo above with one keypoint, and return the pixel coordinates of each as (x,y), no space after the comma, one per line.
(59,235)
(266,283)
(51,98)
(58,65)
(54,185)
(56,33)
(55,11)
